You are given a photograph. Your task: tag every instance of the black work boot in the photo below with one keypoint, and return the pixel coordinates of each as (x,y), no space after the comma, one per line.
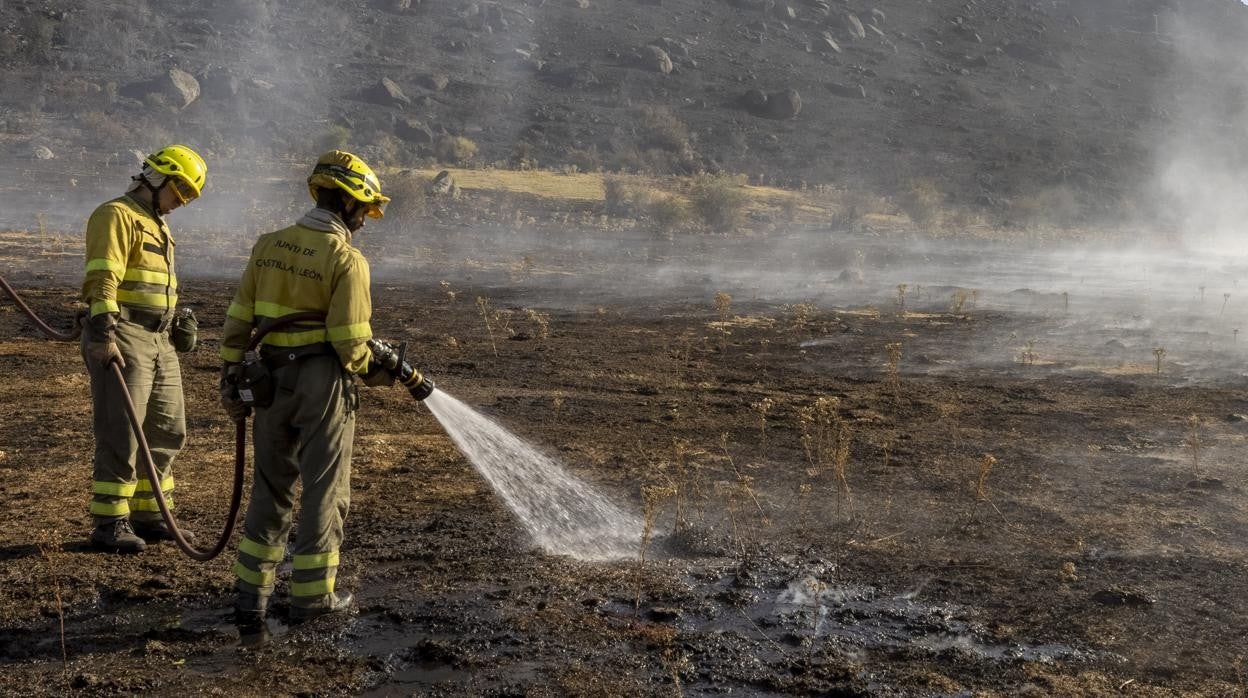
(339,603)
(117,536)
(249,614)
(156,530)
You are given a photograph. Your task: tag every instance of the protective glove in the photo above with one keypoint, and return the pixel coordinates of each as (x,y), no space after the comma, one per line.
(377,377)
(101,348)
(230,400)
(100,353)
(381,365)
(184,332)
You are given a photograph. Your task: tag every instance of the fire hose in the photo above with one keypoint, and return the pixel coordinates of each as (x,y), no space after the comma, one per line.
(240,429)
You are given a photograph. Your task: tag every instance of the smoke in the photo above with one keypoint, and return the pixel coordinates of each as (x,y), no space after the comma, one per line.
(1202,157)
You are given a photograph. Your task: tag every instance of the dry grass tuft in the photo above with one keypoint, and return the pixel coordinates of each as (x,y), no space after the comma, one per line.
(981,482)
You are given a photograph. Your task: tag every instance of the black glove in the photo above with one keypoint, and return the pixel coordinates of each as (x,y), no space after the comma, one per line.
(184,332)
(382,365)
(100,350)
(230,400)
(377,376)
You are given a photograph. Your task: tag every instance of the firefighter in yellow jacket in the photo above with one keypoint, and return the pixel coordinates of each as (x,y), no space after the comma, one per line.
(132,293)
(304,393)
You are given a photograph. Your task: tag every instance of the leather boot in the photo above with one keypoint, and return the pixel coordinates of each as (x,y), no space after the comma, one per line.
(116,536)
(339,603)
(154,531)
(249,614)
(250,605)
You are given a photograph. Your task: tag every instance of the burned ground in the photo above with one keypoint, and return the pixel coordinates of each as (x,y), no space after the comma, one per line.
(1101,554)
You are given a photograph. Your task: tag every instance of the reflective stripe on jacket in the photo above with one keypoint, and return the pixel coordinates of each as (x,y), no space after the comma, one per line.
(129,259)
(300,269)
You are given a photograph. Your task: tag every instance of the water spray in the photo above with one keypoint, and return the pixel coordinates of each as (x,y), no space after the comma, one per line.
(562,514)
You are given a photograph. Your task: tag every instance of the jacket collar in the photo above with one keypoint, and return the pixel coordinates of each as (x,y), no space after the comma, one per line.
(149,210)
(325,221)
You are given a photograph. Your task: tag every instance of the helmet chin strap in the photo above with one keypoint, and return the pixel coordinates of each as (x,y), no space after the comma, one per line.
(153,191)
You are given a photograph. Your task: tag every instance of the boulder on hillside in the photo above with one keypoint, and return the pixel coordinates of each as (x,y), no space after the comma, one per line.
(443,184)
(177,88)
(433,81)
(674,47)
(785,104)
(654,59)
(854,26)
(413,131)
(825,42)
(387,93)
(782,104)
(218,84)
(754,101)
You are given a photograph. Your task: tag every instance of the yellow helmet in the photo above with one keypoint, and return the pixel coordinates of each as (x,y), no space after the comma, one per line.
(184,165)
(349,173)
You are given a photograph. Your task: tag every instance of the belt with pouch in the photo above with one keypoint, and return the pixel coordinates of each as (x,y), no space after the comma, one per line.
(280,357)
(150,320)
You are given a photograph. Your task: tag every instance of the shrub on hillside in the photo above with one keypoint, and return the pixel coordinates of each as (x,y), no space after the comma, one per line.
(454,150)
(669,213)
(619,197)
(584,160)
(98,126)
(921,201)
(853,206)
(719,201)
(660,128)
(407,191)
(524,157)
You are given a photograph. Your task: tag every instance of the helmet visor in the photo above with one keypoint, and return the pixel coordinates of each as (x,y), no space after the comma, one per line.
(377,207)
(182,190)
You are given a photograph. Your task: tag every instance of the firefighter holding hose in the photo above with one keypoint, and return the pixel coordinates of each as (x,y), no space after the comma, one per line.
(132,294)
(301,382)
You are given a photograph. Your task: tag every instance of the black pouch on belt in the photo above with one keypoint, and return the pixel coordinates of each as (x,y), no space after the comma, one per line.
(255,384)
(184,332)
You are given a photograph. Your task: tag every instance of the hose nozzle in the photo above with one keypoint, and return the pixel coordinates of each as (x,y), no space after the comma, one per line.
(391,360)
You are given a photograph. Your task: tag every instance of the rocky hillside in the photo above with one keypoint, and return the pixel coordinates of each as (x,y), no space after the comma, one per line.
(999,104)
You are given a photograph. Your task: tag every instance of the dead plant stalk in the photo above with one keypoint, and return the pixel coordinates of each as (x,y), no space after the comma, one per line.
(652,497)
(45,547)
(981,482)
(483,304)
(762,407)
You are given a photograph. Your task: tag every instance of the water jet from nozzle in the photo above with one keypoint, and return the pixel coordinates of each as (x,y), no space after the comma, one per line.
(563,514)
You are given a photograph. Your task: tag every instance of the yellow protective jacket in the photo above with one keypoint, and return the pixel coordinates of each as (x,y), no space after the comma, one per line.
(310,266)
(129,259)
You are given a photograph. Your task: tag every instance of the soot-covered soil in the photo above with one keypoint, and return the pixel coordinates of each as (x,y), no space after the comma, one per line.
(1103,555)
